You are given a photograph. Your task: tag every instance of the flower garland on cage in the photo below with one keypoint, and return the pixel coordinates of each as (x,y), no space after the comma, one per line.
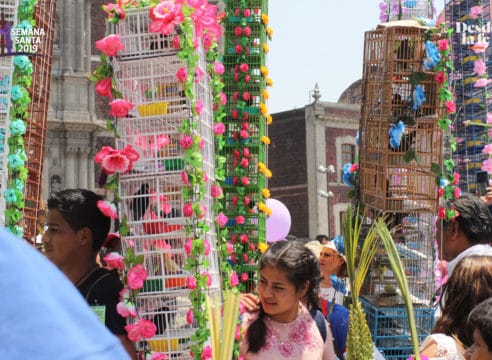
(19,116)
(195,23)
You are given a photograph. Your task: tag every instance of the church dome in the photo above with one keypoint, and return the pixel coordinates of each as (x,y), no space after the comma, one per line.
(353,94)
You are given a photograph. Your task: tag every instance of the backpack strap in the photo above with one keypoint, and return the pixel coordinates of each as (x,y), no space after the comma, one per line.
(320,322)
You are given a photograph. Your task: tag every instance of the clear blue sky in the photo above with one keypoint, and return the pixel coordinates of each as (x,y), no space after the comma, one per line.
(317,41)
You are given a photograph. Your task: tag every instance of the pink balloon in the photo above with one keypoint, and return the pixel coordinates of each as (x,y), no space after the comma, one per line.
(278,224)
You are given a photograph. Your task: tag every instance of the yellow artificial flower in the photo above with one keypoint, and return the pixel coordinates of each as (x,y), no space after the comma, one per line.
(264,71)
(269,31)
(266,49)
(268,119)
(261,206)
(268,211)
(269,81)
(265,140)
(261,166)
(266,94)
(268,173)
(265,193)
(263,109)
(262,247)
(264,19)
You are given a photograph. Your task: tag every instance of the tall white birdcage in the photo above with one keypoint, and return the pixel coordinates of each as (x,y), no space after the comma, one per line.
(409,9)
(8,20)
(152,193)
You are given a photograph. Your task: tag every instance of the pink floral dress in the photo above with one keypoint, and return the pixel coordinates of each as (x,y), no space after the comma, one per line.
(299,340)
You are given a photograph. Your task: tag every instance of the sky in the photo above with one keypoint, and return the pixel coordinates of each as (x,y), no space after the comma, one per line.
(316,41)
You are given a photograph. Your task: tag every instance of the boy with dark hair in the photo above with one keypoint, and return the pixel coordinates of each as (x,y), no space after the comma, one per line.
(76,230)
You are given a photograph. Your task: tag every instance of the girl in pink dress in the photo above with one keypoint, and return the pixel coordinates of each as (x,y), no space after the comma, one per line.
(283,328)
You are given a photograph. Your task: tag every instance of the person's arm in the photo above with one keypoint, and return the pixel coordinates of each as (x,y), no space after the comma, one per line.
(128,345)
(328,349)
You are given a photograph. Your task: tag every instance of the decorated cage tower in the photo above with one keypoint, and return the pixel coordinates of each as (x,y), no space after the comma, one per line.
(152,201)
(245,150)
(391,10)
(470,80)
(400,140)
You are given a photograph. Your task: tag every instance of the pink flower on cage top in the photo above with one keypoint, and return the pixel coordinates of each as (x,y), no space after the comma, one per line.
(219,128)
(110,45)
(475,11)
(165,16)
(182,74)
(234,280)
(114,161)
(487,149)
(114,261)
(186,141)
(188,209)
(221,219)
(479,67)
(206,352)
(107,208)
(443,44)
(154,355)
(479,47)
(189,316)
(120,108)
(191,282)
(136,277)
(126,308)
(216,191)
(219,68)
(480,83)
(184,178)
(487,165)
(104,86)
(450,106)
(199,107)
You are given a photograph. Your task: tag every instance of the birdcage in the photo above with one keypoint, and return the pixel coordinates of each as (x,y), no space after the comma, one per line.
(409,9)
(396,176)
(390,331)
(138,41)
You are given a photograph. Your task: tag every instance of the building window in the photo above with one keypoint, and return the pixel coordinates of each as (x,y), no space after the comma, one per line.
(348,153)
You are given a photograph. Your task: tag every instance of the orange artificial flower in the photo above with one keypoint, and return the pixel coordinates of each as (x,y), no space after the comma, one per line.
(265,94)
(264,19)
(263,109)
(268,119)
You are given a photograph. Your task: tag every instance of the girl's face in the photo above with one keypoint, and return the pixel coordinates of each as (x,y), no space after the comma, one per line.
(478,350)
(278,295)
(329,262)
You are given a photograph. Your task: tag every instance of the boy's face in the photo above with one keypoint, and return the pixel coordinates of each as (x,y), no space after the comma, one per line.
(61,243)
(479,349)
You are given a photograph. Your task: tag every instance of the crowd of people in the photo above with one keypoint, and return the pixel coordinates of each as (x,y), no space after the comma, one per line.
(297,313)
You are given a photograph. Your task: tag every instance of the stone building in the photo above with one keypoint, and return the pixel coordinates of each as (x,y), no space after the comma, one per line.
(322,134)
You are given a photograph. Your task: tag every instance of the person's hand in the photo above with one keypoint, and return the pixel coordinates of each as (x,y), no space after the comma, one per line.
(251,302)
(487,198)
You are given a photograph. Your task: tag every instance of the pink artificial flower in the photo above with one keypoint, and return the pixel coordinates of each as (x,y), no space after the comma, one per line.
(188,246)
(229,248)
(198,74)
(247,31)
(246,152)
(246,96)
(184,177)
(114,261)
(165,16)
(234,280)
(110,45)
(191,282)
(207,352)
(124,294)
(176,43)
(218,68)
(456,179)
(244,162)
(182,74)
(440,77)
(221,219)
(216,191)
(244,67)
(247,200)
(443,44)
(161,141)
(480,83)
(441,214)
(114,11)
(479,67)
(238,31)
(479,48)
(206,247)
(457,192)
(244,238)
(450,106)
(219,128)
(223,98)
(354,168)
(126,308)
(188,209)
(107,208)
(238,49)
(207,40)
(244,277)
(247,12)
(487,149)
(186,141)
(120,108)
(489,118)
(243,134)
(240,220)
(487,165)
(247,78)
(205,176)
(104,86)
(235,113)
(245,181)
(116,161)
(189,316)
(475,11)
(237,333)
(440,192)
(154,355)
(136,277)
(198,106)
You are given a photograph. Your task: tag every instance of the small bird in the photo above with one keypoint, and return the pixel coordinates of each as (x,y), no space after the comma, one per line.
(140,202)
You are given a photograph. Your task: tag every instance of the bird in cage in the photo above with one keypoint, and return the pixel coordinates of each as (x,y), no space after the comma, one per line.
(140,202)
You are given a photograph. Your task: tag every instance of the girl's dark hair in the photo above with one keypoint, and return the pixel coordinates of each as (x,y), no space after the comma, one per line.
(481,319)
(469,284)
(301,266)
